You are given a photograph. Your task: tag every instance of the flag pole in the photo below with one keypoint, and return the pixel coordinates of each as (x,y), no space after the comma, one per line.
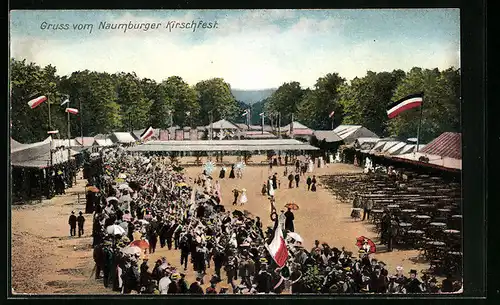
(420,123)
(262,121)
(48,103)
(81,120)
(69,134)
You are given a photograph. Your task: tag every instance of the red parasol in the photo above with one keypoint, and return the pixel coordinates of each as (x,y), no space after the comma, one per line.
(292,206)
(92,189)
(143,244)
(365,243)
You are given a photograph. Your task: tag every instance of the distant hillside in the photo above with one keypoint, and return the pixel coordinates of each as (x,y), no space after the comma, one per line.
(252,96)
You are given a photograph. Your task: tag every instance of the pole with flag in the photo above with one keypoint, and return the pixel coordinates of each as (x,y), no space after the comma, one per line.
(262,121)
(406,103)
(278,248)
(331,117)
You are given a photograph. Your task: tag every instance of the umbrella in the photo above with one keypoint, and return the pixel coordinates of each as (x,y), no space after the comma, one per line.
(143,222)
(143,244)
(240,165)
(132,250)
(237,213)
(370,245)
(115,230)
(112,198)
(182,184)
(295,236)
(92,189)
(123,186)
(292,206)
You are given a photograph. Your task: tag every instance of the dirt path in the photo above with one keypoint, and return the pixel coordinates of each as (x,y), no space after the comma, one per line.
(46,260)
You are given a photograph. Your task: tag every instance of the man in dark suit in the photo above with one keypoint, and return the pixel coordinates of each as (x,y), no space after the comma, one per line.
(81,221)
(72,224)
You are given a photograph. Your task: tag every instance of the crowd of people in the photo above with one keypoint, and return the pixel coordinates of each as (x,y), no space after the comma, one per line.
(142,200)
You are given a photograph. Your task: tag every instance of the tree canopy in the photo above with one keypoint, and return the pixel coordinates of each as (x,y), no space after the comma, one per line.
(125,102)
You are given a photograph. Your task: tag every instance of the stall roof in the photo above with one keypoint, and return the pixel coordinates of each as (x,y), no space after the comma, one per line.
(224,145)
(85,141)
(329,136)
(352,132)
(103,142)
(37,155)
(222,124)
(448,144)
(122,137)
(296,125)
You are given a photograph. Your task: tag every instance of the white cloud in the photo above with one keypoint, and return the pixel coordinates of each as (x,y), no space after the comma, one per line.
(251,52)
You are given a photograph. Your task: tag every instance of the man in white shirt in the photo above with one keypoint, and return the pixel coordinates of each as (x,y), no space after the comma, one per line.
(164,282)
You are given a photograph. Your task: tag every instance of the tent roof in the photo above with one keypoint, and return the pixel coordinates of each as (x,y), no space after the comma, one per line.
(86,141)
(103,142)
(223,124)
(352,132)
(327,135)
(224,145)
(123,137)
(296,125)
(448,144)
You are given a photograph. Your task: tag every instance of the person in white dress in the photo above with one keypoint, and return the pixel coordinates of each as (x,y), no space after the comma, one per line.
(243,197)
(310,166)
(271,189)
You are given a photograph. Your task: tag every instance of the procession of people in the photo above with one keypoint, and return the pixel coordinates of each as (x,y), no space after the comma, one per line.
(142,200)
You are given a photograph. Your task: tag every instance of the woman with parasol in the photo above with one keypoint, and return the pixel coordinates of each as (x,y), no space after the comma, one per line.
(243,197)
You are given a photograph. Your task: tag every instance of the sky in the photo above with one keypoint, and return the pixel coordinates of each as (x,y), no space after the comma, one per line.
(249,49)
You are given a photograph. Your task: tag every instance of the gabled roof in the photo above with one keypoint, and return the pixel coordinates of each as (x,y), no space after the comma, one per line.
(86,141)
(296,125)
(122,137)
(394,150)
(64,143)
(329,136)
(448,144)
(434,160)
(352,132)
(223,124)
(242,126)
(103,142)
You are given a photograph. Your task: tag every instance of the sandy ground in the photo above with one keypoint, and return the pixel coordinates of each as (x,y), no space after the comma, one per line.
(45,260)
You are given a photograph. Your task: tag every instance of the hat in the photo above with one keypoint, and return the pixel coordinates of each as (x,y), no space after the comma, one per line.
(382,263)
(263,260)
(361,251)
(72,212)
(80,213)
(175,276)
(413,271)
(399,268)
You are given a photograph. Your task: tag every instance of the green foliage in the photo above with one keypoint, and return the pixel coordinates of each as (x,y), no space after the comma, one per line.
(313,279)
(123,101)
(285,100)
(441,108)
(214,96)
(317,104)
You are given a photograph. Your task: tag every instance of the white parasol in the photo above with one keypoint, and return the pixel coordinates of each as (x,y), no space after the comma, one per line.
(115,230)
(112,198)
(295,236)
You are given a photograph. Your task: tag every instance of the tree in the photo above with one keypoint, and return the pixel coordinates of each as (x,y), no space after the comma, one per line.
(181,99)
(441,107)
(29,81)
(214,96)
(285,101)
(134,106)
(365,101)
(100,111)
(317,104)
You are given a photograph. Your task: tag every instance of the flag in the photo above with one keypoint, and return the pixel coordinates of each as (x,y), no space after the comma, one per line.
(37,101)
(331,114)
(148,133)
(408,102)
(277,248)
(53,131)
(72,110)
(65,102)
(245,113)
(261,114)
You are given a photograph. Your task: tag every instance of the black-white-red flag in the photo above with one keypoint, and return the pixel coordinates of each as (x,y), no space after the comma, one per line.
(408,102)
